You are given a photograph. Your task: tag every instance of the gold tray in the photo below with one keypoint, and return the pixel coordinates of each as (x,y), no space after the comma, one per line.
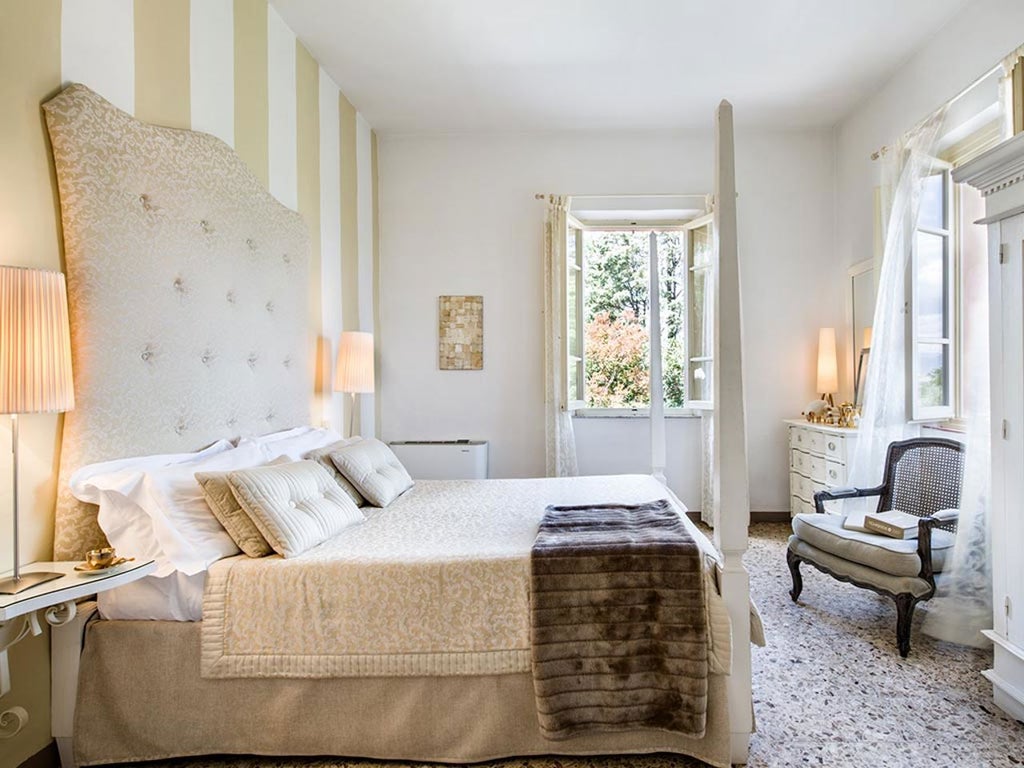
(94,570)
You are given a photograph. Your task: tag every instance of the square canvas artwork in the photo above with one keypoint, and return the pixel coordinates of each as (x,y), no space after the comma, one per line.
(460,333)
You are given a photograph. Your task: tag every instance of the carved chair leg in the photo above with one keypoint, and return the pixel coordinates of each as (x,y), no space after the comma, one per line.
(905,604)
(794,569)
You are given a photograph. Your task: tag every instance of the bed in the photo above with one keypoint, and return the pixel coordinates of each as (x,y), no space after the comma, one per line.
(188,293)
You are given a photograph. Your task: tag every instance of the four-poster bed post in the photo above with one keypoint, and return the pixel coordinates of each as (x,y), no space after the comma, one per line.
(732,511)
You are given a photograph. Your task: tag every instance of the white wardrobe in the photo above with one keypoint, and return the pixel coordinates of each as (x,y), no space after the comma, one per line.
(999,174)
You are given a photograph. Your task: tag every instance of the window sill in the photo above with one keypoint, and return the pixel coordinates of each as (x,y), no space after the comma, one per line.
(630,413)
(956,426)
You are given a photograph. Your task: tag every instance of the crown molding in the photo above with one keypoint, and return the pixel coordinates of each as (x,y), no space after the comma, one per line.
(996,169)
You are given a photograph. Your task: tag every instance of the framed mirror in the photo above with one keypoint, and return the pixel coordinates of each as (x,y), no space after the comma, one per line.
(861,292)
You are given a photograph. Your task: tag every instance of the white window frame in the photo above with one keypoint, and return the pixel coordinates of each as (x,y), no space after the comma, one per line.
(578,404)
(574,272)
(707,220)
(917,411)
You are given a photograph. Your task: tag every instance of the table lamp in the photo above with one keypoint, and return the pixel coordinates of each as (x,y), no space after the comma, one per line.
(828,373)
(35,369)
(354,372)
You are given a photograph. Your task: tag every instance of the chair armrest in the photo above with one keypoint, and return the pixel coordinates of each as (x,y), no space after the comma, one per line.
(925,526)
(837,494)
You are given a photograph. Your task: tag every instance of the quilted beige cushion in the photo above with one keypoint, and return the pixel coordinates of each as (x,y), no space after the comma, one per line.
(897,557)
(295,506)
(230,514)
(374,470)
(322,456)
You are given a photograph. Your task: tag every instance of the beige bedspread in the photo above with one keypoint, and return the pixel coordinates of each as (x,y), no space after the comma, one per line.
(435,584)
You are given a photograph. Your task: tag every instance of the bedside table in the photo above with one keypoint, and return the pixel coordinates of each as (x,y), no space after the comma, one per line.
(58,602)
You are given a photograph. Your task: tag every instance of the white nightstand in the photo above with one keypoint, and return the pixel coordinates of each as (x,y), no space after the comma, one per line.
(57,600)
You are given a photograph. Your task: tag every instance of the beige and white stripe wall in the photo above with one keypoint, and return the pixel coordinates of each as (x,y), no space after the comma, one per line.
(232,68)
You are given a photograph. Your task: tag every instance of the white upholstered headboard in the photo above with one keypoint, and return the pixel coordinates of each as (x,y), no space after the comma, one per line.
(187,285)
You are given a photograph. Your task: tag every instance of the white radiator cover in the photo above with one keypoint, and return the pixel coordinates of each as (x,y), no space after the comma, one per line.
(443,459)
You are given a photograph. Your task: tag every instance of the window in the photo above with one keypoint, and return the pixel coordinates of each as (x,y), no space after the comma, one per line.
(609,318)
(701,338)
(932,350)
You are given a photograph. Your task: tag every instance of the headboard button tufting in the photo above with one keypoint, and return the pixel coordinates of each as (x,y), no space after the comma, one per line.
(270,416)
(147,354)
(208,357)
(181,428)
(270,307)
(205,226)
(251,243)
(230,297)
(179,285)
(287,362)
(286,259)
(252,360)
(146,203)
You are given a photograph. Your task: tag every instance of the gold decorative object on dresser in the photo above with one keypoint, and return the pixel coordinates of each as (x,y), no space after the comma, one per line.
(819,457)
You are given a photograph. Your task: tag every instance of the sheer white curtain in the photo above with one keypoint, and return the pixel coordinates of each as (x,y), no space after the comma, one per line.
(885,418)
(560,440)
(962,606)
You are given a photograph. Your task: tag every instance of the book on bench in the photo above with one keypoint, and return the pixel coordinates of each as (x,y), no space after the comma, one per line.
(898,525)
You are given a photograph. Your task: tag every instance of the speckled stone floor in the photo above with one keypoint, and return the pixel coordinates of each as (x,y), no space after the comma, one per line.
(830,690)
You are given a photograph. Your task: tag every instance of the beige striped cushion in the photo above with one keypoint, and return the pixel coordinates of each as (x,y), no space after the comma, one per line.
(374,469)
(322,456)
(229,513)
(295,506)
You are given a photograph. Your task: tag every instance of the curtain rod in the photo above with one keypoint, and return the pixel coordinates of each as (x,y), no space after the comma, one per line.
(882,150)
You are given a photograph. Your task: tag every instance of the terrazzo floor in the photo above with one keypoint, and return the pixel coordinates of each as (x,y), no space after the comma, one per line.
(830,689)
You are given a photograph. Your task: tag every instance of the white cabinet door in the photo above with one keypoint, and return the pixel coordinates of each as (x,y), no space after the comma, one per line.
(1012,406)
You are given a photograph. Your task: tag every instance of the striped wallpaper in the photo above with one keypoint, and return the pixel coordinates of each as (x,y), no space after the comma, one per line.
(232,68)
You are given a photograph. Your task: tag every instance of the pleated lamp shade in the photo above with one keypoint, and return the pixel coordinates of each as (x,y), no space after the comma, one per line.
(354,372)
(35,342)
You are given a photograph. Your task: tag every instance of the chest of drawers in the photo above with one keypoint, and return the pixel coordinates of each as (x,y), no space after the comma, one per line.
(819,458)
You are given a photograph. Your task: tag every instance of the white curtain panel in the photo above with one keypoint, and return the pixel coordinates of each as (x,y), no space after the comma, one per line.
(885,418)
(962,606)
(558,431)
(963,603)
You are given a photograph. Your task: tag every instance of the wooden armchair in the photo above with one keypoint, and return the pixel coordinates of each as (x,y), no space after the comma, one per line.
(922,477)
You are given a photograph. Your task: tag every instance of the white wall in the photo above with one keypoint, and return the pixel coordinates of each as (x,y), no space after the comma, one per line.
(971,44)
(458,216)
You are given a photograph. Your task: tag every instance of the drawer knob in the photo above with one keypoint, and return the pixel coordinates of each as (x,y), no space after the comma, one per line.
(832,474)
(831,446)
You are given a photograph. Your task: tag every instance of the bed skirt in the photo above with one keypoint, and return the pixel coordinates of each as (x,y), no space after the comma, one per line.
(140,697)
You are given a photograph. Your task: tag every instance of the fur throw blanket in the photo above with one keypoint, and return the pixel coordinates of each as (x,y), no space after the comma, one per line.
(618,623)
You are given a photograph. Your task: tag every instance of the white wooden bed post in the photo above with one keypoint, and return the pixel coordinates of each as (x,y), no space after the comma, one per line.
(732,513)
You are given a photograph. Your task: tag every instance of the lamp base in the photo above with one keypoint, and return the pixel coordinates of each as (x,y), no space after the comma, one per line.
(25,581)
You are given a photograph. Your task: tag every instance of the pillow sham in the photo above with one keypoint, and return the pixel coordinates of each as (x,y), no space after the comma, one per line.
(322,456)
(292,443)
(227,510)
(295,506)
(374,470)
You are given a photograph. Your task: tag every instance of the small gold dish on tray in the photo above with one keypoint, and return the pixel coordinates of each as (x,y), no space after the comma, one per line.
(94,570)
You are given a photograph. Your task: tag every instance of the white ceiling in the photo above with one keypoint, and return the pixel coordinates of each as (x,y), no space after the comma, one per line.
(597,65)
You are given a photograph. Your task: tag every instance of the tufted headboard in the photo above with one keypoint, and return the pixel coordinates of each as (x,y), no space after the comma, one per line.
(187,287)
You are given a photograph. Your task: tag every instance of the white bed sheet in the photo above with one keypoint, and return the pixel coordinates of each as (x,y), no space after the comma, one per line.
(177,597)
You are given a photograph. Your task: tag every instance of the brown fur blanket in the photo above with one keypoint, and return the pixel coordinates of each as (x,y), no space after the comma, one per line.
(618,623)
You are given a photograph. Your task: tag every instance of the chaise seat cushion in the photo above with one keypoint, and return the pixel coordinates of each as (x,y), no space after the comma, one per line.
(897,557)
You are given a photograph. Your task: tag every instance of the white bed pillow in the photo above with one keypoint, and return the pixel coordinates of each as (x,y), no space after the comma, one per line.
(292,443)
(186,536)
(374,470)
(296,506)
(225,507)
(109,484)
(322,456)
(87,483)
